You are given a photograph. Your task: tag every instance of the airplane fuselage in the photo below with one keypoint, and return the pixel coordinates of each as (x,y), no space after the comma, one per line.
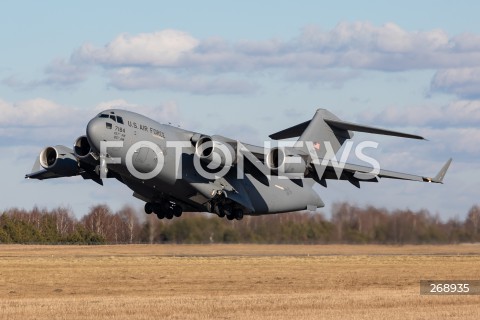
(179,180)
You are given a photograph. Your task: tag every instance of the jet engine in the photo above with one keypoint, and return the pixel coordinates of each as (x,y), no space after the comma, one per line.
(283,162)
(213,152)
(59,160)
(83,151)
(81,148)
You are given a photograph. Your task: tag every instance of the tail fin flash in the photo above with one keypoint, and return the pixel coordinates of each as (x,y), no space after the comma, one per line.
(325,127)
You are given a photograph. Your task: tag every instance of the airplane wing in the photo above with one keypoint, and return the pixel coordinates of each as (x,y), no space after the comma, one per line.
(60,161)
(258,152)
(357,173)
(40,173)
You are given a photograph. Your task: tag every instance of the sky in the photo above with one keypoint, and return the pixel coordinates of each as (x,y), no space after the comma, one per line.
(245,70)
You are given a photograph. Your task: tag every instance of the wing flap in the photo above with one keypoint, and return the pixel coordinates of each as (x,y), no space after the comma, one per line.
(42,174)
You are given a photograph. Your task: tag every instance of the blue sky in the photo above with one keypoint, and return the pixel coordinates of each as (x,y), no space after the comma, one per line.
(245,70)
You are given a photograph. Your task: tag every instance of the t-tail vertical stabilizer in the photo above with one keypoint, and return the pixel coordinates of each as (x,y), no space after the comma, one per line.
(326,128)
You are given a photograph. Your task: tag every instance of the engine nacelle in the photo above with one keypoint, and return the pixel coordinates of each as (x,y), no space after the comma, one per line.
(214,153)
(59,160)
(82,148)
(282,162)
(83,151)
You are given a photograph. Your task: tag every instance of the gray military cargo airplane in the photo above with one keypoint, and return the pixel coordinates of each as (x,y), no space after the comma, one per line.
(175,170)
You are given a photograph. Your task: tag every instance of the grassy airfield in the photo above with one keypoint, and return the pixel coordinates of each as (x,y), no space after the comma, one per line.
(233,282)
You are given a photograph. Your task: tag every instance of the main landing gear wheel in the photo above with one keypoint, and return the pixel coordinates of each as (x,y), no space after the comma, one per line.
(219,210)
(164,209)
(148,208)
(177,211)
(238,214)
(169,214)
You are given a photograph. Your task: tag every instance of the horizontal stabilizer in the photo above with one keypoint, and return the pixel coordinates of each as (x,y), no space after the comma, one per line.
(343,125)
(338,126)
(292,132)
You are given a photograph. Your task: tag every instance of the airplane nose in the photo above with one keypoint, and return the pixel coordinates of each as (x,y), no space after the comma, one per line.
(94,132)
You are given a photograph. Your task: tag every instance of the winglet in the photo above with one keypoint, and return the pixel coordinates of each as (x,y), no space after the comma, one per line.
(441,174)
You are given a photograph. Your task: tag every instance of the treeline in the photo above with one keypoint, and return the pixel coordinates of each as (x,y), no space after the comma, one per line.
(348,224)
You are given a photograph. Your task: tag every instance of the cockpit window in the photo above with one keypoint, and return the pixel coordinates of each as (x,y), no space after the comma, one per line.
(117,119)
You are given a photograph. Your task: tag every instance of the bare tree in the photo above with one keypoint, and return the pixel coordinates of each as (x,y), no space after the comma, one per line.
(98,220)
(130,223)
(64,221)
(473,220)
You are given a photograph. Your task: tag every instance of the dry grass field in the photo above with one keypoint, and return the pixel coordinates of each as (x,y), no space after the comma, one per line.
(233,282)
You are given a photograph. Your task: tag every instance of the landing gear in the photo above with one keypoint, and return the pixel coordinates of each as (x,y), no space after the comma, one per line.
(165,209)
(235,214)
(225,210)
(219,210)
(169,214)
(177,211)
(148,208)
(238,213)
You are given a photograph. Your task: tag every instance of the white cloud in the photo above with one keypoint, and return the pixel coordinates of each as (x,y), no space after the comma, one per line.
(41,122)
(354,45)
(130,78)
(464,82)
(332,77)
(59,73)
(35,113)
(176,60)
(388,47)
(64,73)
(467,42)
(363,36)
(460,113)
(162,48)
(43,113)
(462,142)
(452,130)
